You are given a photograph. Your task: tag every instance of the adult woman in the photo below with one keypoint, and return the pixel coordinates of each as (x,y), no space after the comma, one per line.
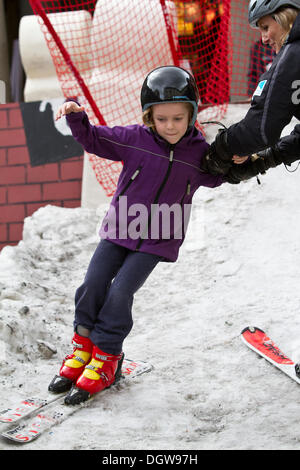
(275,101)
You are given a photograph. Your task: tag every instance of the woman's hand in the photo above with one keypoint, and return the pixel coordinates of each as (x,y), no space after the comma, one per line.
(239,160)
(67,108)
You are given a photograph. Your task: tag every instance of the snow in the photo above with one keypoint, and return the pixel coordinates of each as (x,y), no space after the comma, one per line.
(239,266)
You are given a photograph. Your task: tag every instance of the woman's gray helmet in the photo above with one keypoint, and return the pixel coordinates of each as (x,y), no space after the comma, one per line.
(260,8)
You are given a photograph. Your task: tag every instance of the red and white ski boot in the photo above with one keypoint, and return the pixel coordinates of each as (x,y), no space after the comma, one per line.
(103,371)
(73,365)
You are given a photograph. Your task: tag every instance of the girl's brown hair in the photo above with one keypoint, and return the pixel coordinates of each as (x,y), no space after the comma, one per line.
(148,118)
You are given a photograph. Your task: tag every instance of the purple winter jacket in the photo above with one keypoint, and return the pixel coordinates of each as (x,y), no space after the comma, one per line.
(150,208)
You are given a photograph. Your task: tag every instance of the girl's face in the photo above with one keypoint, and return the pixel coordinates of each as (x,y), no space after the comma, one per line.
(271,32)
(171,120)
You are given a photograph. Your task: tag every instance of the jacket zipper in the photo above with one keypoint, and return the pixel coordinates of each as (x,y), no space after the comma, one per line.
(187,193)
(135,174)
(171,156)
(188,189)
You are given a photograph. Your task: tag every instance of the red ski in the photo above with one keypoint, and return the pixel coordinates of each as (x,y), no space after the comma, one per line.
(257,340)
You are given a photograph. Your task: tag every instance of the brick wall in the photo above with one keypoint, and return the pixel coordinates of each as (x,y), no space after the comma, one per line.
(23,189)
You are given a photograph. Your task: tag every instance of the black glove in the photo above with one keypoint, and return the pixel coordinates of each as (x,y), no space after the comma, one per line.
(218,159)
(258,164)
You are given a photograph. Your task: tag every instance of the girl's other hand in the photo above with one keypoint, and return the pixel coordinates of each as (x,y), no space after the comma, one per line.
(239,160)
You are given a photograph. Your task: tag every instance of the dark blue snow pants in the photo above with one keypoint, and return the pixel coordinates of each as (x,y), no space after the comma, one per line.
(103,302)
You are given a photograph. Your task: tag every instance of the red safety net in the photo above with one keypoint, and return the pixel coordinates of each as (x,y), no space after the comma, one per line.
(102,50)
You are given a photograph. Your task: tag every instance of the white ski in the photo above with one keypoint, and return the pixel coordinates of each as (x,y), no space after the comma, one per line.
(25,408)
(51,414)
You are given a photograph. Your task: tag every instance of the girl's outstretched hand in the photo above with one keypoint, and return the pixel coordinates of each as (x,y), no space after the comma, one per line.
(67,108)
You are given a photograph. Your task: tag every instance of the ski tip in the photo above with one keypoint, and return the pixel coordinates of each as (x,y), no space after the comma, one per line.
(251,329)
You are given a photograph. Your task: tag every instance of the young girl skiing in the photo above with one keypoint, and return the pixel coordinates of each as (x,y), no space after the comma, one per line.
(161,168)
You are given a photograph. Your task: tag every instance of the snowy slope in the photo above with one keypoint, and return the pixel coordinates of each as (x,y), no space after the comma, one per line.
(240,265)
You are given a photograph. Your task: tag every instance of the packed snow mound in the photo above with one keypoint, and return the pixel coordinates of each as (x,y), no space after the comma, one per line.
(39,276)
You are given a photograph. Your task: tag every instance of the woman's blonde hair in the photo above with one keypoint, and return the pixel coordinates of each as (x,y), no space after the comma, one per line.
(148,115)
(285,17)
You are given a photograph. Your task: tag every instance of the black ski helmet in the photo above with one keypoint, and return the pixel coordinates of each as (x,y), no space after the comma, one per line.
(259,8)
(170,84)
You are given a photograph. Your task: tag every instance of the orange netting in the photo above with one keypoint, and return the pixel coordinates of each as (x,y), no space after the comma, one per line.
(102,50)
